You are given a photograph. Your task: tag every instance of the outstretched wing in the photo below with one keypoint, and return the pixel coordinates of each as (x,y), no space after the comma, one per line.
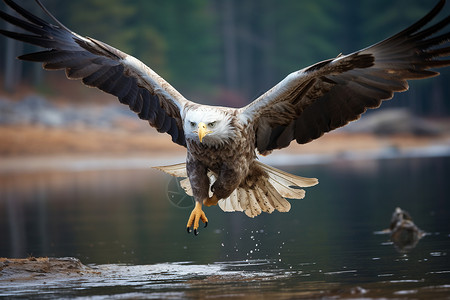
(331,93)
(100,65)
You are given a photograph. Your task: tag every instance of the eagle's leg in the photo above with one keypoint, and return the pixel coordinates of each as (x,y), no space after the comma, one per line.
(210,201)
(197,214)
(198,177)
(227,181)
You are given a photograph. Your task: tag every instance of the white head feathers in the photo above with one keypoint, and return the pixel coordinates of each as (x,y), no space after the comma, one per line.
(217,121)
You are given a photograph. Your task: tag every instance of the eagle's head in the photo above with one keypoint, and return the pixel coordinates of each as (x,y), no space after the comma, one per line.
(208,125)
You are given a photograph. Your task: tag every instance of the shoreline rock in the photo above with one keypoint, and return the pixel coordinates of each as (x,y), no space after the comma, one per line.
(31,268)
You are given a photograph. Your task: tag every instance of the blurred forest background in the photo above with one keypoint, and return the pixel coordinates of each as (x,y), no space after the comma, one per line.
(224,52)
(231,51)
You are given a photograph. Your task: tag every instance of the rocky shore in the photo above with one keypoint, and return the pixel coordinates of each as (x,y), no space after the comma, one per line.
(36,133)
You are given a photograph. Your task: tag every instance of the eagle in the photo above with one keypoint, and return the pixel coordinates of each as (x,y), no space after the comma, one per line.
(223,143)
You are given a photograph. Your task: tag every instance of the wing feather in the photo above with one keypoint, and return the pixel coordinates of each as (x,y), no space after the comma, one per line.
(243,200)
(253,209)
(332,93)
(102,66)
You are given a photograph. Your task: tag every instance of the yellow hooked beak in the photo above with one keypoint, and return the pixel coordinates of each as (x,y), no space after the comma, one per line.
(202,131)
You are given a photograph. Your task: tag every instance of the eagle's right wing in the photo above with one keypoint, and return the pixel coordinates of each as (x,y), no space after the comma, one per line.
(334,92)
(100,65)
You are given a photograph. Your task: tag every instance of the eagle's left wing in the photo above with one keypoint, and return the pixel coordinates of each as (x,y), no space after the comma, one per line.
(102,66)
(331,93)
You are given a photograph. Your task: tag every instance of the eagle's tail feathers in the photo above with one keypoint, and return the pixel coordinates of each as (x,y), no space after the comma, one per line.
(253,208)
(178,170)
(227,206)
(234,201)
(263,200)
(242,198)
(287,179)
(280,204)
(186,185)
(286,190)
(268,194)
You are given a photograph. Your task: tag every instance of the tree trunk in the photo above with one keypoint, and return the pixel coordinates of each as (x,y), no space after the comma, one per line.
(230,45)
(12,65)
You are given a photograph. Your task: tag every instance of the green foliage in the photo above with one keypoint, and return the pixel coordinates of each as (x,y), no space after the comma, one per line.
(175,38)
(305,33)
(203,47)
(192,53)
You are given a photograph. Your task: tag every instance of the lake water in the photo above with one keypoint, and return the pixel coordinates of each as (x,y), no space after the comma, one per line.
(124,225)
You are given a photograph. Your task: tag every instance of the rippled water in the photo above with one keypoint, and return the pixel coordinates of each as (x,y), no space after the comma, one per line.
(123,225)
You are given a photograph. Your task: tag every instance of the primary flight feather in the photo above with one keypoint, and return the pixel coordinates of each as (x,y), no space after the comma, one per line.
(222,143)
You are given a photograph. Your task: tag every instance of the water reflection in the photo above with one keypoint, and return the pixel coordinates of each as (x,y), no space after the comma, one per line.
(94,213)
(404,233)
(126,217)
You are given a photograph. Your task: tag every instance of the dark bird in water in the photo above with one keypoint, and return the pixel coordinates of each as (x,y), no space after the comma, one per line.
(404,233)
(222,143)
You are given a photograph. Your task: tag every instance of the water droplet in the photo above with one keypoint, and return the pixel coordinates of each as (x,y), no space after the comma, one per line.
(251,251)
(222,244)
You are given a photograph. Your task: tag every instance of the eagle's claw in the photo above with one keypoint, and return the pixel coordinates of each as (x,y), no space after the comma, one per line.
(197,214)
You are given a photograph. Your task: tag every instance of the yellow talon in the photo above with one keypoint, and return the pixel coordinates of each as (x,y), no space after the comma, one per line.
(211,201)
(197,214)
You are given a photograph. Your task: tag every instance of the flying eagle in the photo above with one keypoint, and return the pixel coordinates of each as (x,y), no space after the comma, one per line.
(222,143)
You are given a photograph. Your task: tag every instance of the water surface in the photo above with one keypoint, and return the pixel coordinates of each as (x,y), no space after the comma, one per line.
(123,224)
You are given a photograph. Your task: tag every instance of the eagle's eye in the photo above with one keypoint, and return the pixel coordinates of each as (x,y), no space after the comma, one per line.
(193,124)
(212,124)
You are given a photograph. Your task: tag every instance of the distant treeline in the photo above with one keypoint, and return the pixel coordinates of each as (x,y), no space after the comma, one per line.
(230,51)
